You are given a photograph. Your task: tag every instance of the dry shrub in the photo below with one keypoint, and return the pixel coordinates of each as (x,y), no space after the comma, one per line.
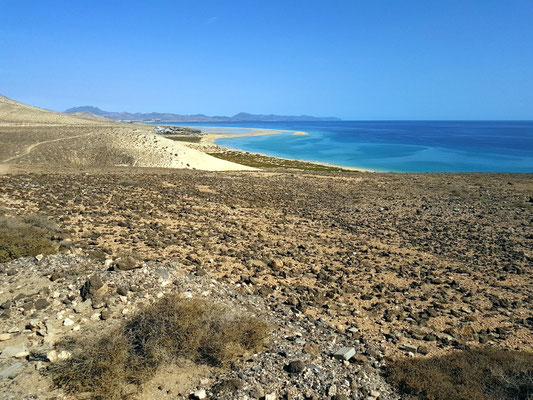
(28,236)
(173,328)
(479,374)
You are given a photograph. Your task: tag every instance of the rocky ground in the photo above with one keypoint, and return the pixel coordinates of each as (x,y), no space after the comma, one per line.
(392,265)
(46,304)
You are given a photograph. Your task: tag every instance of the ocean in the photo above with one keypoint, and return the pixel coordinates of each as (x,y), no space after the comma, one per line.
(398,146)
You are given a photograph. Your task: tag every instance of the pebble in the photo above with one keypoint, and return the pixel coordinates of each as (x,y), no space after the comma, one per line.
(295,367)
(5,336)
(200,394)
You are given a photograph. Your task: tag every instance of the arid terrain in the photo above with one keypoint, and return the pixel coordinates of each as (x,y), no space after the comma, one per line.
(397,266)
(379,258)
(32,136)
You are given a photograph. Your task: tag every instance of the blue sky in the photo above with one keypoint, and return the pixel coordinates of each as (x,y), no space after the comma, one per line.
(374,59)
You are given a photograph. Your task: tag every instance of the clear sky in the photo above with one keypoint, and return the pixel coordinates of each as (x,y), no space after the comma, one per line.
(373,59)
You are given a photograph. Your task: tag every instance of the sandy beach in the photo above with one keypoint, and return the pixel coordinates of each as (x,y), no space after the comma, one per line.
(208,144)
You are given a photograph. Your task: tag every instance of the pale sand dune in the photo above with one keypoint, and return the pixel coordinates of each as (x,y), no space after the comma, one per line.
(13,112)
(30,135)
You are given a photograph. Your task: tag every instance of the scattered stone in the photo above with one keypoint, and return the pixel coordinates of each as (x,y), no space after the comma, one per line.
(54,356)
(257,264)
(93,287)
(359,359)
(41,304)
(35,356)
(295,367)
(339,397)
(410,347)
(55,276)
(162,272)
(98,302)
(5,336)
(6,305)
(105,315)
(311,349)
(17,351)
(122,290)
(127,263)
(199,394)
(229,385)
(345,353)
(12,371)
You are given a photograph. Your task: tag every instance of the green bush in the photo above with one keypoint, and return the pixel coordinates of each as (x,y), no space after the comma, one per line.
(173,328)
(480,374)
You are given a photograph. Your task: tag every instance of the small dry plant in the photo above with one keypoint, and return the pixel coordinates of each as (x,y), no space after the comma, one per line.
(28,236)
(480,374)
(114,365)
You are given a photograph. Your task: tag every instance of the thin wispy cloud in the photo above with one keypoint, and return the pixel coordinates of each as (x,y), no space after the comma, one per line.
(212,20)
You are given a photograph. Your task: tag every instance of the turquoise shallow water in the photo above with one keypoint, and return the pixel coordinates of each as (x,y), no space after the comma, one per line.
(401,146)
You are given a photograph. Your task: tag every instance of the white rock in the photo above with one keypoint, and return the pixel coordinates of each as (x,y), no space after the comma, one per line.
(200,394)
(95,316)
(5,336)
(52,355)
(34,324)
(39,257)
(22,354)
(270,396)
(64,355)
(68,322)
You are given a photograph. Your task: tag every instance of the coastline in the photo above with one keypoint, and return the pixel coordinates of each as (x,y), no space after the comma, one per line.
(208,144)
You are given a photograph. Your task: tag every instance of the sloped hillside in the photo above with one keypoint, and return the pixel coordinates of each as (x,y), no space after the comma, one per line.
(13,112)
(31,135)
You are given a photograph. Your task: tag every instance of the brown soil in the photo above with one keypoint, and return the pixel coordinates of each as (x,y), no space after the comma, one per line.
(436,260)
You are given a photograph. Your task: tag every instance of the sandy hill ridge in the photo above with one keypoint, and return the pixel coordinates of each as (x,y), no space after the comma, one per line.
(31,135)
(14,112)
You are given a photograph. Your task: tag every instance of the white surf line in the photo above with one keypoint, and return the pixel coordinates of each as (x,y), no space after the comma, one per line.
(30,148)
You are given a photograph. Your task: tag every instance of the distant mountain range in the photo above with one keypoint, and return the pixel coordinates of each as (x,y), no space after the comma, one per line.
(169,117)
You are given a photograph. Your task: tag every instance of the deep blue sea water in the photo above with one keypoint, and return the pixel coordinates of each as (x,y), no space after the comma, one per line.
(401,146)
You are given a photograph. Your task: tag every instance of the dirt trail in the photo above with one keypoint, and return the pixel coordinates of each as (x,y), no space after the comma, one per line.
(30,148)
